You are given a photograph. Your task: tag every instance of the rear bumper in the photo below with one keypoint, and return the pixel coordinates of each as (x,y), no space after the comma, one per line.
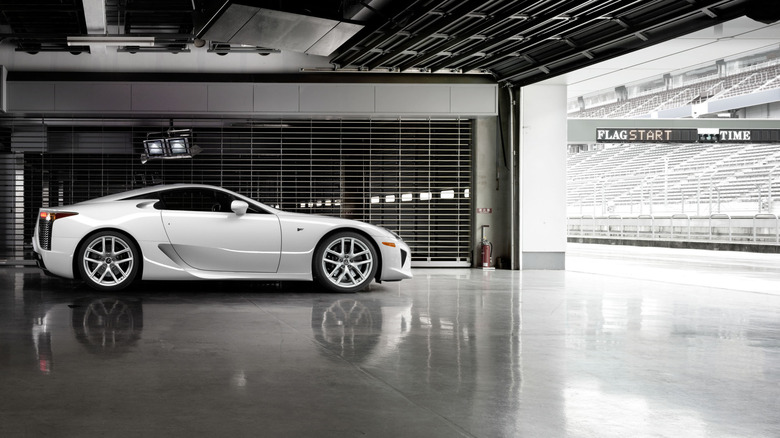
(54,263)
(39,258)
(42,265)
(37,250)
(39,261)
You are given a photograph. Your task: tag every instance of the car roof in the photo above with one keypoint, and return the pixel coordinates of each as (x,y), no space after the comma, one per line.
(144,190)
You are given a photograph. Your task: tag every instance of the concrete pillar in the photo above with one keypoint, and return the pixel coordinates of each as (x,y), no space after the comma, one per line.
(720,64)
(492,204)
(622,93)
(542,177)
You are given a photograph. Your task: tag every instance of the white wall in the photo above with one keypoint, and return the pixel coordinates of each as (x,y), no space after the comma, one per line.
(273,99)
(542,166)
(767,111)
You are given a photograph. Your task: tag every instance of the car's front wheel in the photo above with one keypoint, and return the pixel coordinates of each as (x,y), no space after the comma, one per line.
(345,262)
(108,261)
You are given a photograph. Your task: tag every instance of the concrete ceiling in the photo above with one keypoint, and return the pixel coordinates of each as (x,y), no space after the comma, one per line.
(514,42)
(730,40)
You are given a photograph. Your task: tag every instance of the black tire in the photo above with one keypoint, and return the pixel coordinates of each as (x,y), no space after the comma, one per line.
(108,261)
(345,262)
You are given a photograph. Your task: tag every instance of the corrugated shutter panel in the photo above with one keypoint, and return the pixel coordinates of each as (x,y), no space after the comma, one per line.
(412,176)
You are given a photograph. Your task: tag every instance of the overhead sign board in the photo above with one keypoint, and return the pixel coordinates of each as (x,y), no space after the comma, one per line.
(749,136)
(673,135)
(641,135)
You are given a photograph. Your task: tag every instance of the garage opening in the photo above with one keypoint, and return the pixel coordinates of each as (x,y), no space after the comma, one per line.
(412,176)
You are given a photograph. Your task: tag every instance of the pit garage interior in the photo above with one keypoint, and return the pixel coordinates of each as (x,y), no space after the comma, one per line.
(440,120)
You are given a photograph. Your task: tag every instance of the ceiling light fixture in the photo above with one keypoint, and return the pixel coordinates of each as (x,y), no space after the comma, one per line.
(111,40)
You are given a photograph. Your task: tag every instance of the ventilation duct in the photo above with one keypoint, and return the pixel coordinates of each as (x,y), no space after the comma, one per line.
(261,27)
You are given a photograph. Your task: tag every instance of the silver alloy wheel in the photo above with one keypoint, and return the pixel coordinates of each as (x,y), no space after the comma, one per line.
(108,260)
(347,262)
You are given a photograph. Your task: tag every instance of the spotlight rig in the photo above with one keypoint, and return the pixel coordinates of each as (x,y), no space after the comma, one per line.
(170,144)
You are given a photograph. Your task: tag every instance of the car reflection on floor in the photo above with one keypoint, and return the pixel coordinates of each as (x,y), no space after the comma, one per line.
(347,326)
(107,325)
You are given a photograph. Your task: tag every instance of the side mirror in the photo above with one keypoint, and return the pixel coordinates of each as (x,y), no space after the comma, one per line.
(239,207)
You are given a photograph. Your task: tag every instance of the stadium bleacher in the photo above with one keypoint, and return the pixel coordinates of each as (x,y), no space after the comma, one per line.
(623,176)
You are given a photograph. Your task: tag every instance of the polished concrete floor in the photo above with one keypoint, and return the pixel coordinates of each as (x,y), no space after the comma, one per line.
(627,342)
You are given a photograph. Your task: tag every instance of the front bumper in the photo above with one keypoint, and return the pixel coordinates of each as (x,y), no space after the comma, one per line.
(396,262)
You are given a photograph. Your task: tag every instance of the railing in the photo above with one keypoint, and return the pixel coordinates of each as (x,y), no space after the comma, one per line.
(766,230)
(761,228)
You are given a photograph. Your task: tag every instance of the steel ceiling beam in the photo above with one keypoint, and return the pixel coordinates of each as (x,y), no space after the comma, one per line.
(492,20)
(363,44)
(582,22)
(535,21)
(95,16)
(626,41)
(436,27)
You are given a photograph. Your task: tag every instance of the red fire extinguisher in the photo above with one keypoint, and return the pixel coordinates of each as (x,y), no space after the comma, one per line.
(487,251)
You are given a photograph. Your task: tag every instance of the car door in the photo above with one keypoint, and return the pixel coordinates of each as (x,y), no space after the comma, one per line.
(208,236)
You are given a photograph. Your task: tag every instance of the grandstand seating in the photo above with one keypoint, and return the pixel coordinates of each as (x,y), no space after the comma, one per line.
(671,177)
(633,174)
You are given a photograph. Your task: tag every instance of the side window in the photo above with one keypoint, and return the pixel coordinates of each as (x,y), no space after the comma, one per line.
(196,199)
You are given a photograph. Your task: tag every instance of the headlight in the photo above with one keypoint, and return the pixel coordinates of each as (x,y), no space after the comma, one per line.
(394,234)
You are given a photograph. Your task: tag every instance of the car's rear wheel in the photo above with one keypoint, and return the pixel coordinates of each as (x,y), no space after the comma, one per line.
(345,262)
(108,261)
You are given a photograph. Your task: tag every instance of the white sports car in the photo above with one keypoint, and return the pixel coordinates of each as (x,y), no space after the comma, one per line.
(188,231)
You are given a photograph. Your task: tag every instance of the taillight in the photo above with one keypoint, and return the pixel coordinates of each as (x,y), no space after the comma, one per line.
(54,215)
(45,223)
